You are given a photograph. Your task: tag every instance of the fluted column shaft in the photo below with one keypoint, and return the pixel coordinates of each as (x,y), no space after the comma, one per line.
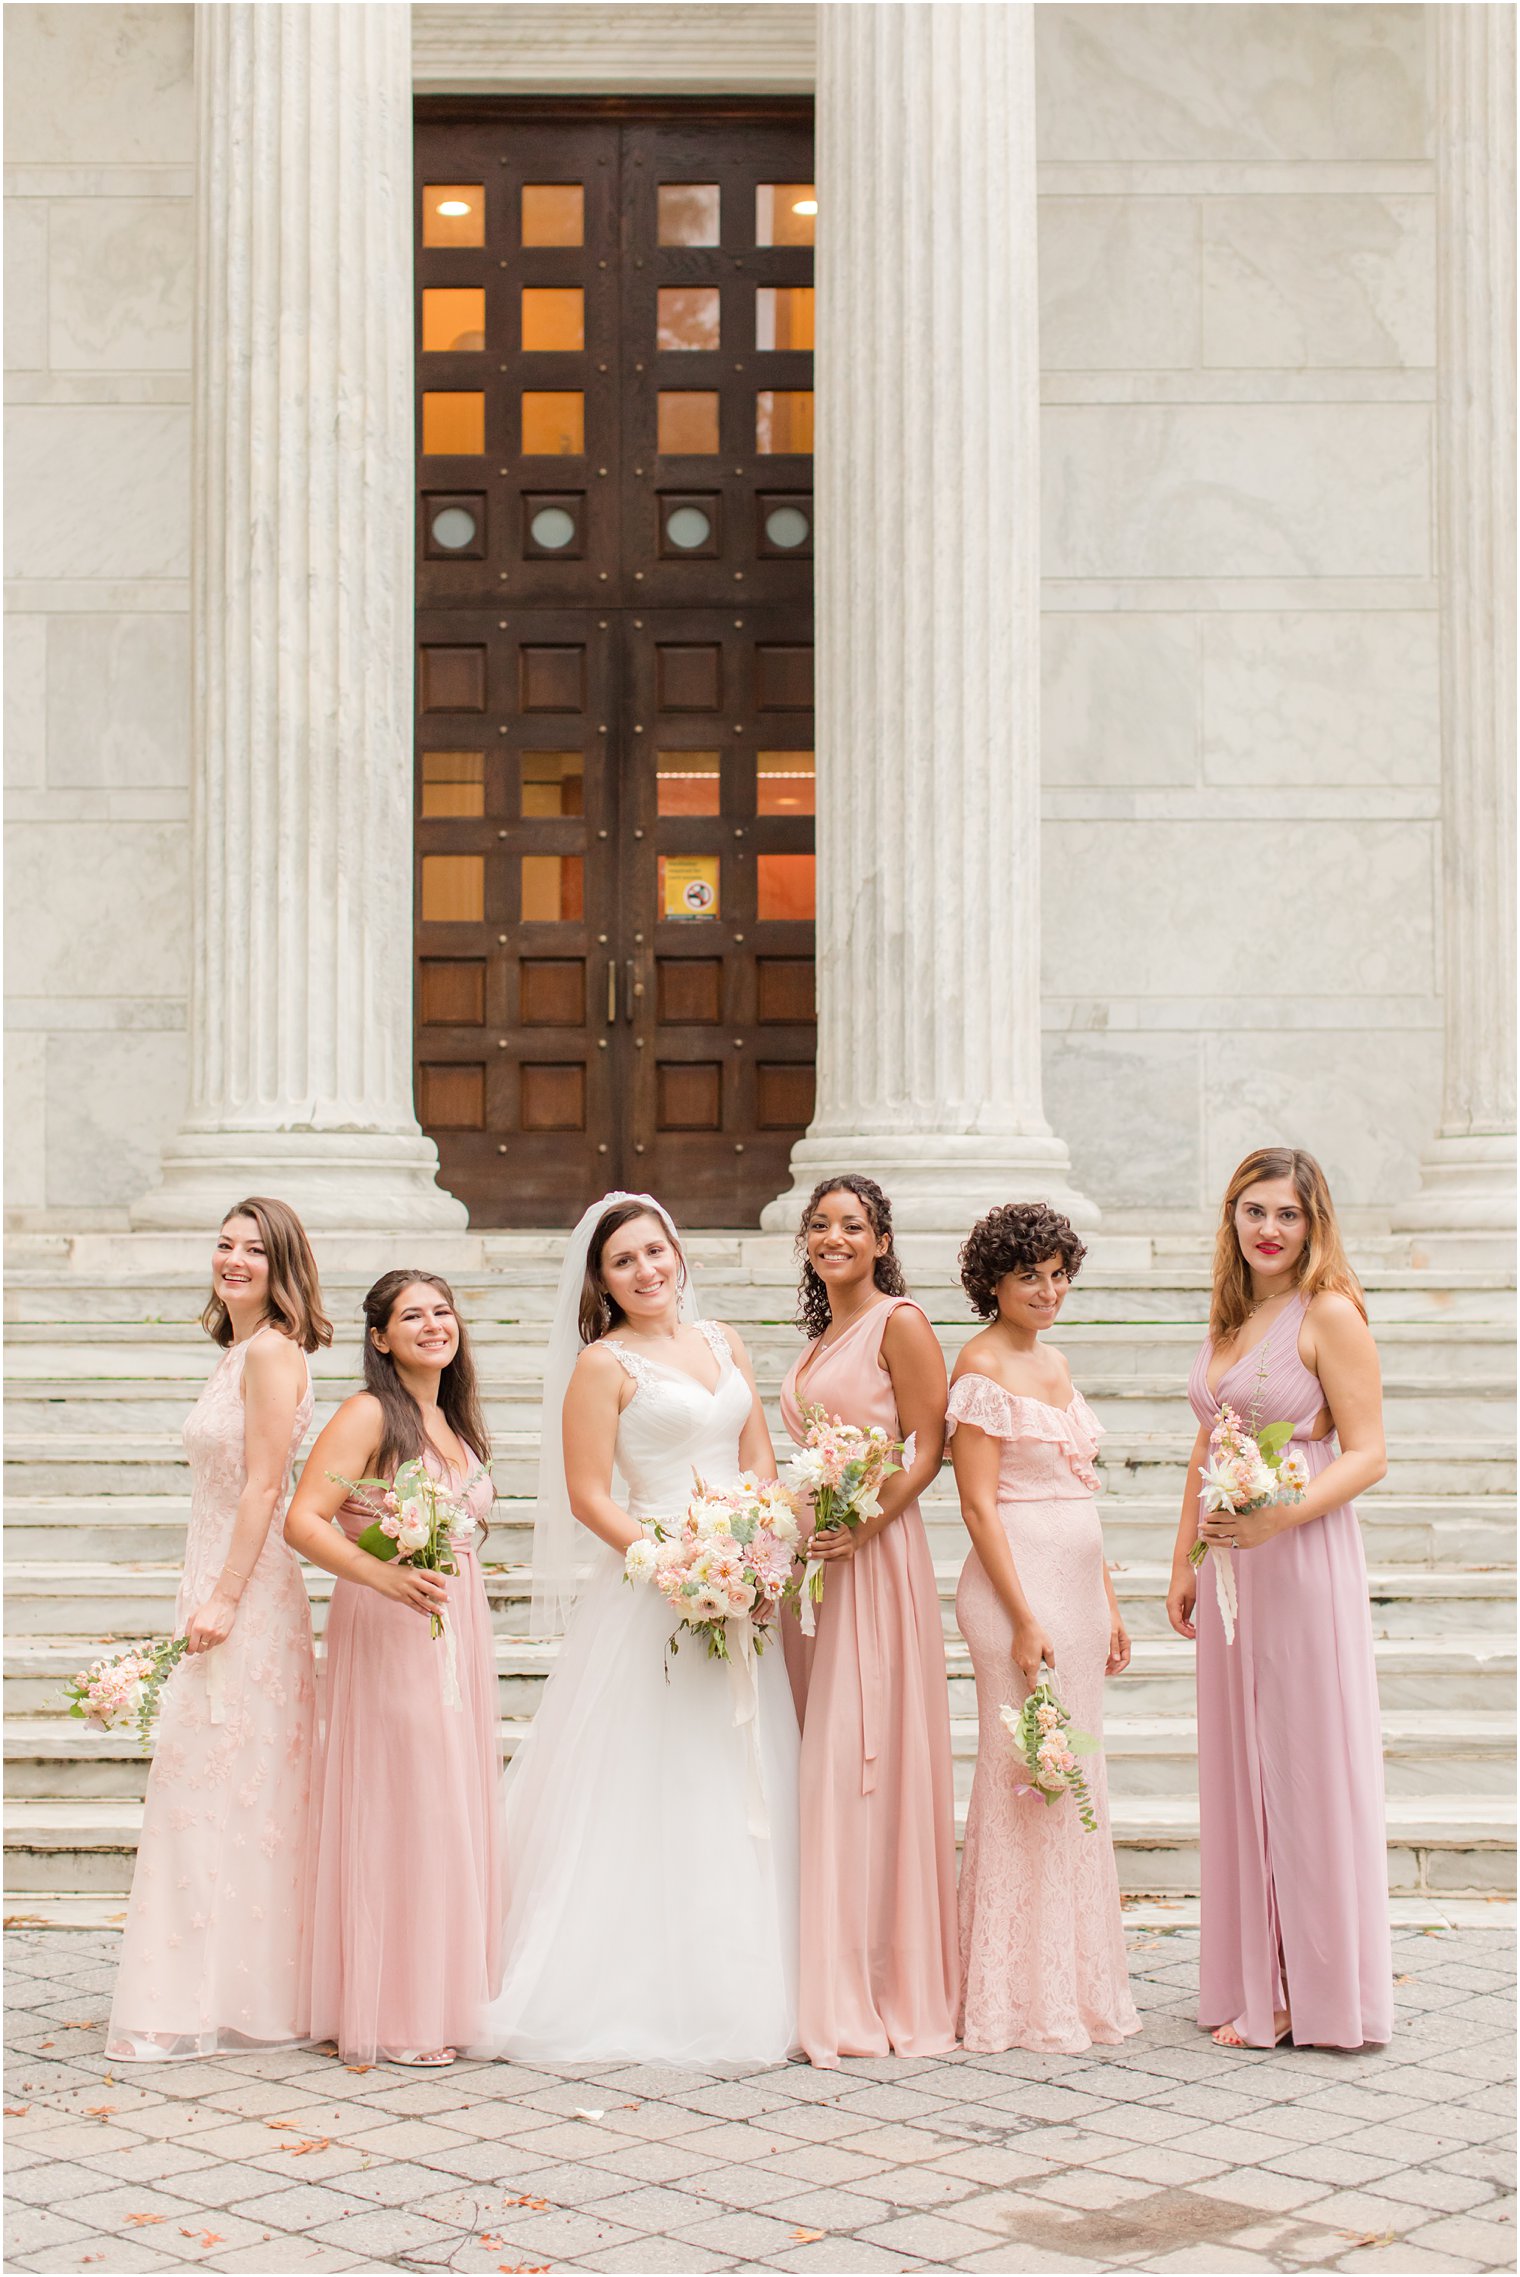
(302,599)
(928,614)
(1468,1181)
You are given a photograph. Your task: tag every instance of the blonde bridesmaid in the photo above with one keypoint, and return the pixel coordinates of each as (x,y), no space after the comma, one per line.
(213,1955)
(1292,1838)
(880,1974)
(407,1877)
(1042,1939)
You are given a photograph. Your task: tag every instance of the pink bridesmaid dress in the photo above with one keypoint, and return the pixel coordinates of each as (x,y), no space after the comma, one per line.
(1042,1937)
(408,1895)
(1292,1837)
(213,1956)
(879,1973)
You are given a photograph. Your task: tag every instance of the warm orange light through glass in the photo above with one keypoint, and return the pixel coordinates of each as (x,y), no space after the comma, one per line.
(453,783)
(784,782)
(553,213)
(454,213)
(785,213)
(453,424)
(784,316)
(784,887)
(688,422)
(784,420)
(553,320)
(453,319)
(553,783)
(553,423)
(688,782)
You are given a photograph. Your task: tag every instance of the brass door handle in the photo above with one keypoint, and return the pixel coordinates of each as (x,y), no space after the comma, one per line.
(611,991)
(631,989)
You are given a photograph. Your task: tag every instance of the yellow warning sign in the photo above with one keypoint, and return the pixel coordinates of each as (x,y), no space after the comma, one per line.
(691,885)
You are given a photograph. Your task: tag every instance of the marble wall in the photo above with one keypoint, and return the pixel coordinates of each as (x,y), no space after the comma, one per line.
(1241,751)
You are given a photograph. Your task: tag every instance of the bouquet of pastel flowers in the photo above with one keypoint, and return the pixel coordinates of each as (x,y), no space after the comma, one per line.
(110,1691)
(729,1561)
(842,1469)
(1049,1746)
(424,1523)
(1246,1471)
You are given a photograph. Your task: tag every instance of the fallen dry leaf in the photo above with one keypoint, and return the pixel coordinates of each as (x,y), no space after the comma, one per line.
(537,2205)
(206,2238)
(359,2069)
(807,2237)
(80,2024)
(1370,2237)
(288,2124)
(100,2111)
(312,2143)
(523,2268)
(16,2110)
(144,2221)
(41,2044)
(491,2242)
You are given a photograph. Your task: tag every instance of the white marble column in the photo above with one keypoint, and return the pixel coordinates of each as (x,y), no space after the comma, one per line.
(1468,1173)
(301,998)
(928,617)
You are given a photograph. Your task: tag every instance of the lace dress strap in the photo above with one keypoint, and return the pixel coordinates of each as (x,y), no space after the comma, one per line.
(711,1333)
(634,1362)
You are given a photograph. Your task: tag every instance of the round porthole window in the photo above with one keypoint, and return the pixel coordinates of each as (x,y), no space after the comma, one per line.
(551,527)
(453,526)
(786,526)
(688,526)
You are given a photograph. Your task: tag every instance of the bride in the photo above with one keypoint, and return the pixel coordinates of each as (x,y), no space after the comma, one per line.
(651,1836)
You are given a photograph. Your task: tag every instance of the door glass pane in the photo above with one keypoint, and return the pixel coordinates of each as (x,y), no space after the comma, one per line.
(453,319)
(553,320)
(453,783)
(688,782)
(784,316)
(784,886)
(453,424)
(784,782)
(687,317)
(551,889)
(688,213)
(688,422)
(553,213)
(785,213)
(453,889)
(553,783)
(689,886)
(784,419)
(454,213)
(553,423)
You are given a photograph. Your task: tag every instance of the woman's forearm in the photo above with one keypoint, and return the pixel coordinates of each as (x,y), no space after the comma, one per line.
(991,1544)
(1353,1471)
(610,1523)
(320,1542)
(250,1531)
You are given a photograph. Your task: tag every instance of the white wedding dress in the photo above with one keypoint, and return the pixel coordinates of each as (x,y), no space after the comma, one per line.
(648,1921)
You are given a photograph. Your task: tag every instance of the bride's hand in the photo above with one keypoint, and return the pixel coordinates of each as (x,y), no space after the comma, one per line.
(832,1542)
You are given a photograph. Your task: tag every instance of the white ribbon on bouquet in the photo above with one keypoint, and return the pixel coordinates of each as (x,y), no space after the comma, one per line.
(746,1697)
(452,1696)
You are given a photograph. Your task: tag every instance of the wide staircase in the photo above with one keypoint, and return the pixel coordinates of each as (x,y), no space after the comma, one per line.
(103,1359)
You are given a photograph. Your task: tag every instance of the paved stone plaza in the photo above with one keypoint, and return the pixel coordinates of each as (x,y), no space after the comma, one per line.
(1158,2156)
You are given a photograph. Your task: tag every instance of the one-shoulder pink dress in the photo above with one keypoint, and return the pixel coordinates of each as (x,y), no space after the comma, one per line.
(1292,1835)
(879,1967)
(214,1954)
(1042,1937)
(408,1888)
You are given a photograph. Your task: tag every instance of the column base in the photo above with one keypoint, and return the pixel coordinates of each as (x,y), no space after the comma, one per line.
(1467,1185)
(938,1182)
(335,1181)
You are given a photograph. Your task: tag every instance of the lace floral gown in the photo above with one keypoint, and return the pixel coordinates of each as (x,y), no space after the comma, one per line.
(213,1955)
(1042,1941)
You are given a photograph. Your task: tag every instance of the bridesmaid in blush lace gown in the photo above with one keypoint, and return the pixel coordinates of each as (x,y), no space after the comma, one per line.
(213,1955)
(1292,1838)
(407,1876)
(880,1968)
(1042,1940)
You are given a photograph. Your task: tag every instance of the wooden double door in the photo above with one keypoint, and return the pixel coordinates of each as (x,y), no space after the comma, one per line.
(615,776)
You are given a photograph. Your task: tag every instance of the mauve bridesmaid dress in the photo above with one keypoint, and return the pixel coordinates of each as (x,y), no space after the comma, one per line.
(1293,1841)
(880,1972)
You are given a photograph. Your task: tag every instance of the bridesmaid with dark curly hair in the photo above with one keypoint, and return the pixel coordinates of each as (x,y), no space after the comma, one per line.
(1042,1942)
(879,1973)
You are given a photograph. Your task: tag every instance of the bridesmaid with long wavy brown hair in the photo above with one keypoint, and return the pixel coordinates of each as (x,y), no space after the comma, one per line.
(1294,1859)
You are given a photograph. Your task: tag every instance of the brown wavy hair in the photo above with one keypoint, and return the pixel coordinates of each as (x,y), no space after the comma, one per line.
(295,1293)
(1323,1263)
(599,1312)
(813,1315)
(1014,1238)
(402,1437)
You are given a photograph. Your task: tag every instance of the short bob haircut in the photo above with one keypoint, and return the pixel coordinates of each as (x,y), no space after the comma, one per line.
(1012,1239)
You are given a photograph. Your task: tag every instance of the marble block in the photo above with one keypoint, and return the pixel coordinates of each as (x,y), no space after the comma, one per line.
(1331,697)
(26,1121)
(121,284)
(100,85)
(1363,1102)
(1119,699)
(118,701)
(1236,490)
(95,906)
(1239,82)
(97,491)
(1274,909)
(1129,1107)
(25,703)
(26,257)
(113,1099)
(1301,282)
(1118,284)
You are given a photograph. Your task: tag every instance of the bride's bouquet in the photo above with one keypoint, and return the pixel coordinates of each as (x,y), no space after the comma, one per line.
(108,1692)
(425,1524)
(1049,1747)
(728,1563)
(842,1469)
(1245,1471)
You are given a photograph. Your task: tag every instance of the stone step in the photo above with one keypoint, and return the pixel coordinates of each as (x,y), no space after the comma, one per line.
(1455,1843)
(55,1757)
(1401,1530)
(1451,1675)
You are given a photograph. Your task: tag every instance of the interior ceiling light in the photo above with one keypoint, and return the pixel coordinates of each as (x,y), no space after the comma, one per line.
(806,205)
(453,206)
